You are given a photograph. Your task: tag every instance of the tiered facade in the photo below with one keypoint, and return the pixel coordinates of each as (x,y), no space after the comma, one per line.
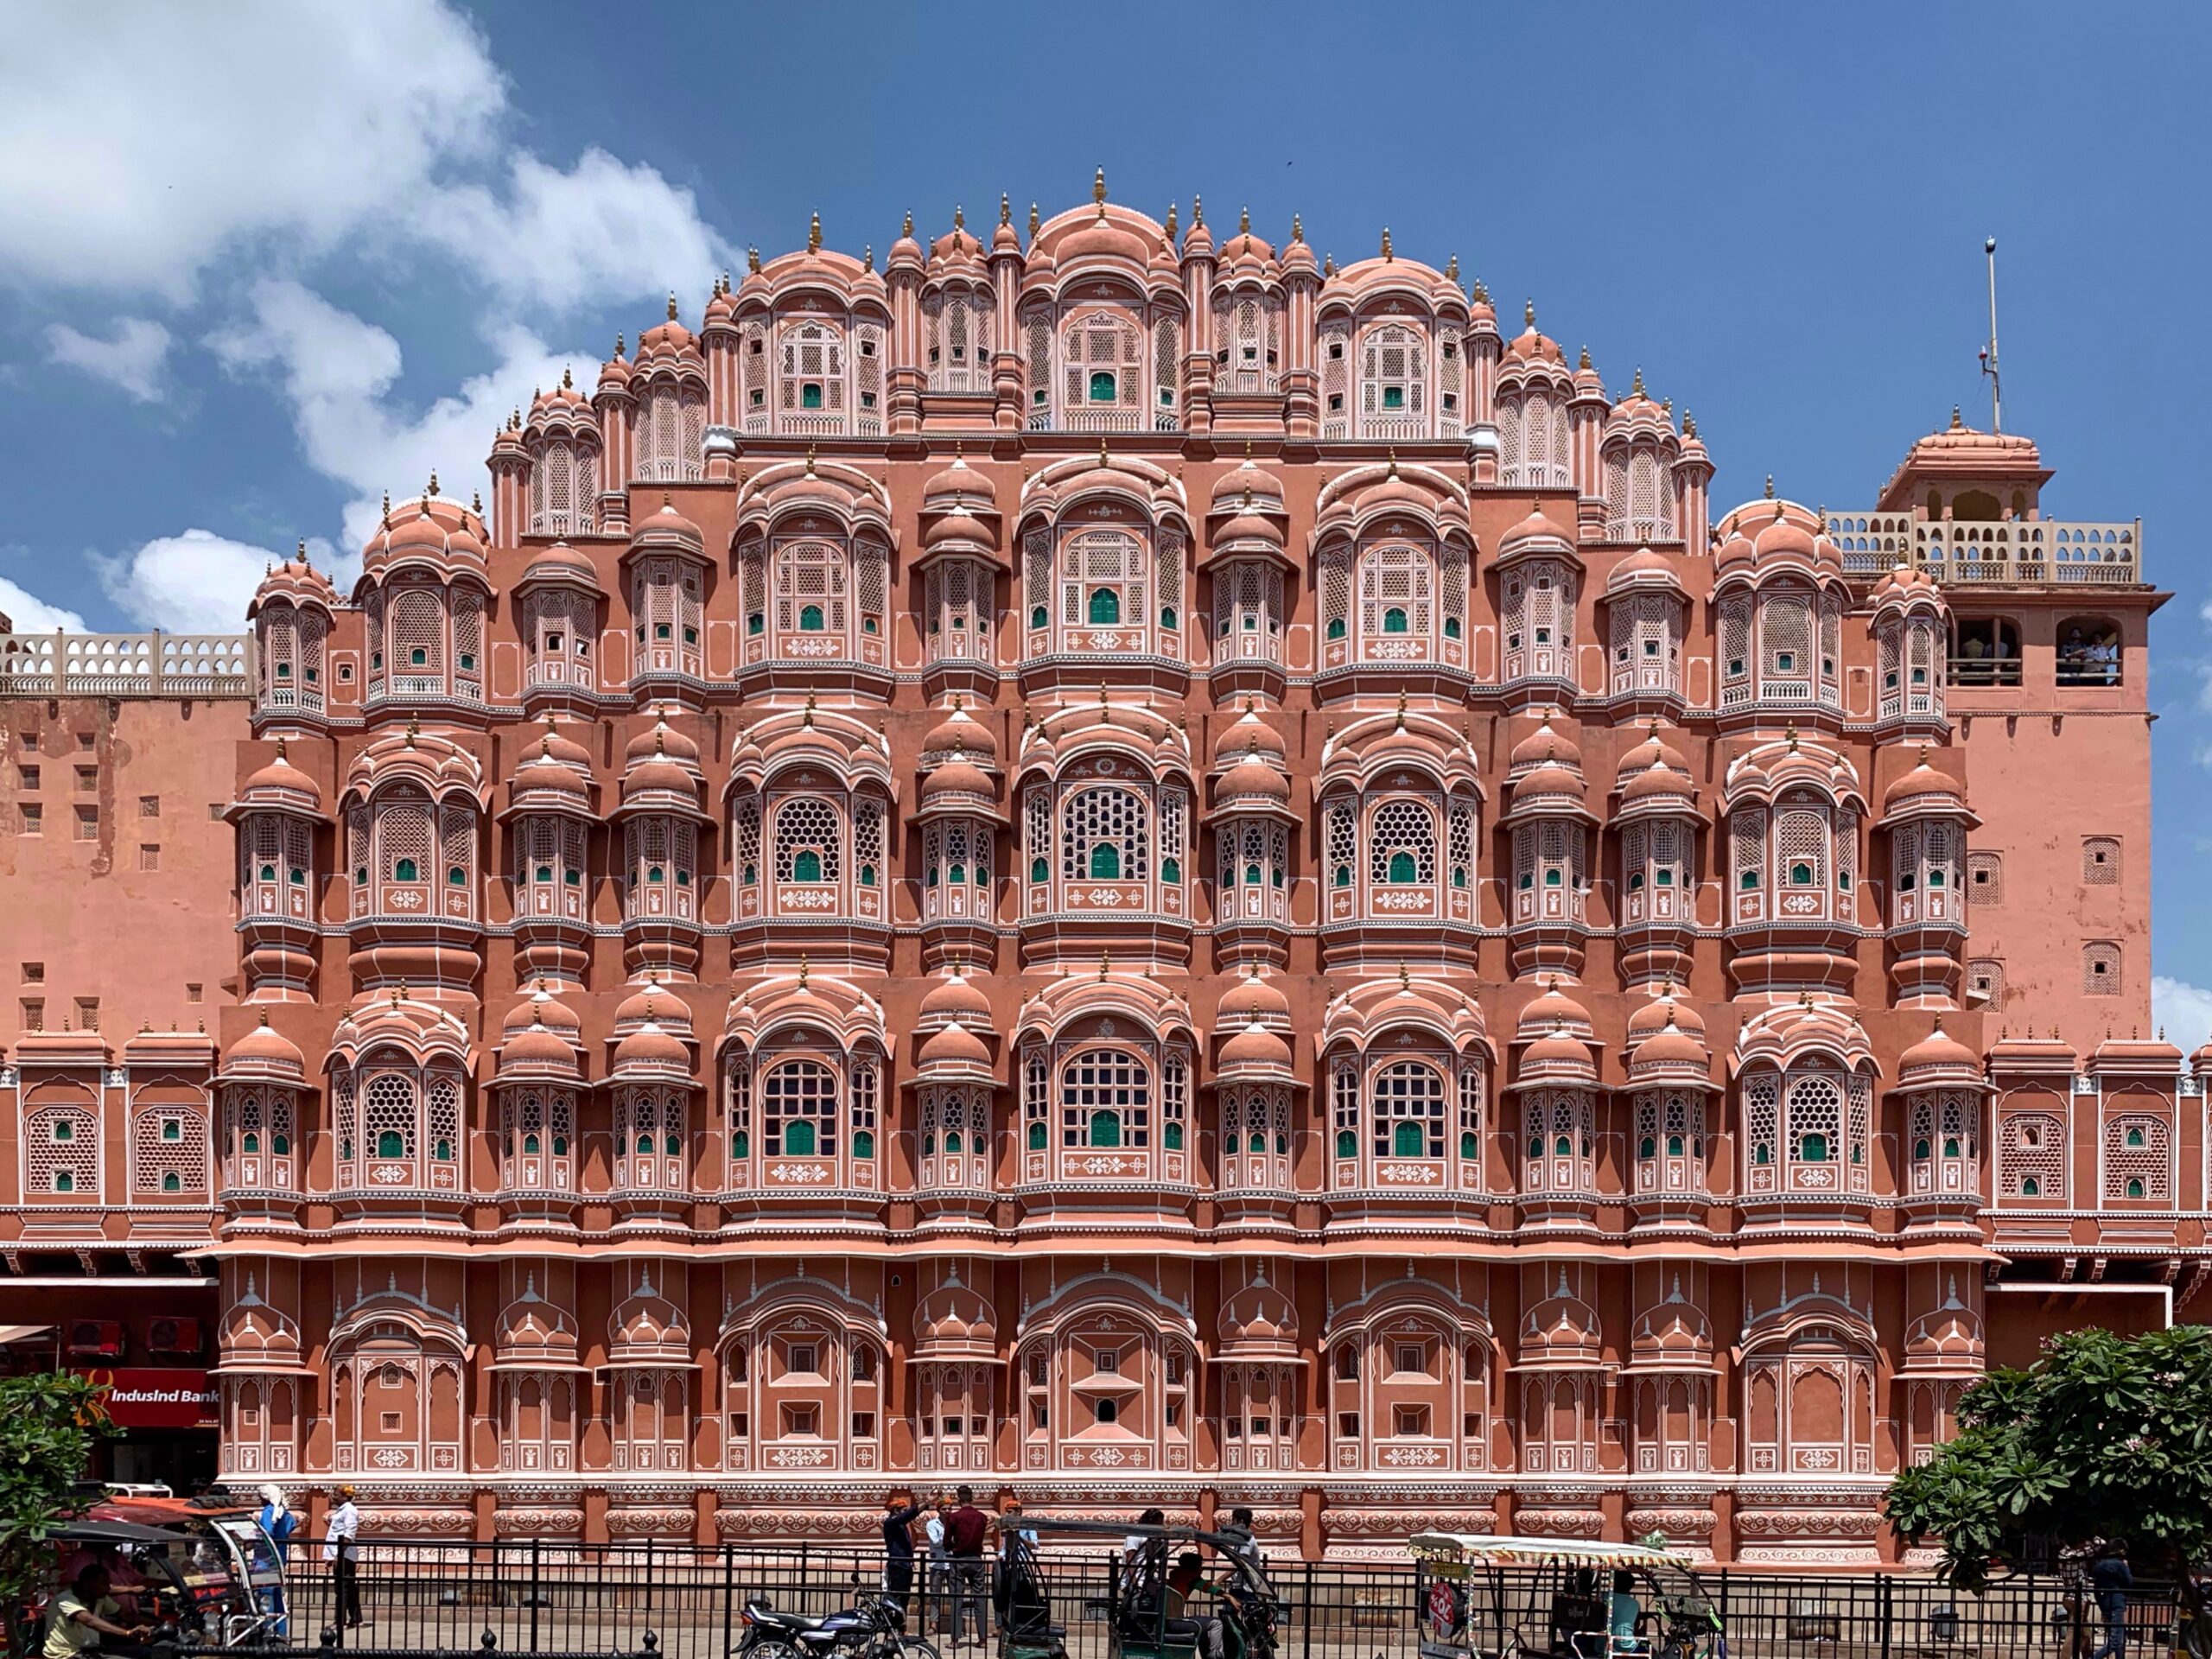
(1143,870)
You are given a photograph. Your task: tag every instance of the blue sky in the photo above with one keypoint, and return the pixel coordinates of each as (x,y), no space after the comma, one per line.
(260,262)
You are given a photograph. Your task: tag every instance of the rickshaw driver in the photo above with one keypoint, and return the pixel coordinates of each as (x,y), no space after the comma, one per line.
(84,1617)
(1186,1581)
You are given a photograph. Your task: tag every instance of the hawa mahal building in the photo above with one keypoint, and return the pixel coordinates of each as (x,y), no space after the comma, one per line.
(1124,865)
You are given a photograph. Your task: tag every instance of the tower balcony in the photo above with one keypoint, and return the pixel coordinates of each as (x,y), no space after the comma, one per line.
(2003,552)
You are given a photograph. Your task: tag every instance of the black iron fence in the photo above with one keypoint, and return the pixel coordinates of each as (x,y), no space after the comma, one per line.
(552,1597)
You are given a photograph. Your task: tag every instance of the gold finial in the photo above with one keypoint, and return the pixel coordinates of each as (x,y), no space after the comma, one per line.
(1387,254)
(907,229)
(387,509)
(1098,187)
(753,260)
(1198,210)
(434,481)
(1394,462)
(867,255)
(804,968)
(568,378)
(414,726)
(1769,486)
(1791,733)
(1297,228)
(959,217)
(1105,963)
(1401,711)
(303,549)
(1405,977)
(1169,228)
(807,719)
(672,305)
(1452,269)
(1328,264)
(1956,422)
(1481,290)
(1032,221)
(475,503)
(1689,425)
(1528,314)
(1102,453)
(264,1016)
(1244,221)
(1584,363)
(1636,391)
(279,748)
(809,460)
(814,233)
(1006,208)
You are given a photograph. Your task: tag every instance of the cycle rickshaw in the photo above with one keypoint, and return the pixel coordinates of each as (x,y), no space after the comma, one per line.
(1481,1597)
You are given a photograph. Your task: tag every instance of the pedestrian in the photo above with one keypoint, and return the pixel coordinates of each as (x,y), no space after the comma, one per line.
(965,1530)
(1133,1545)
(1015,1543)
(342,1548)
(935,1531)
(900,1514)
(278,1524)
(1239,1533)
(85,1620)
(2111,1578)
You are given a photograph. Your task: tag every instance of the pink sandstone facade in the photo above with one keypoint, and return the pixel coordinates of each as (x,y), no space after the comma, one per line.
(1120,867)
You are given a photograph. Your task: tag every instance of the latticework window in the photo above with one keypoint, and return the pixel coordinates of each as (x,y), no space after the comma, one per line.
(1104,580)
(810,595)
(2032,1156)
(2099,860)
(1647,643)
(1943,1143)
(61,1153)
(799,1101)
(1558,1126)
(810,382)
(1166,368)
(2101,968)
(1401,844)
(1669,1142)
(1394,382)
(1105,1100)
(1336,590)
(1102,836)
(1103,371)
(2138,1159)
(1396,588)
(1986,878)
(1342,846)
(1985,979)
(389,1123)
(1406,1113)
(808,840)
(1815,1127)
(1760,1099)
(169,1150)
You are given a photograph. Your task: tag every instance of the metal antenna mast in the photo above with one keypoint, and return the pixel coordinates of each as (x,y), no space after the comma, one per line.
(1989,352)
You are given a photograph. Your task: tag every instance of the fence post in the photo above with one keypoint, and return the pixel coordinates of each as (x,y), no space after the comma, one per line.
(1884,1608)
(536,1593)
(1306,1616)
(729,1593)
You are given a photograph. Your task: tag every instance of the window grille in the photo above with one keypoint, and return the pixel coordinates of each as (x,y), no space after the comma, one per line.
(799,1109)
(1103,836)
(1401,844)
(2138,1159)
(807,840)
(1105,1100)
(1408,1111)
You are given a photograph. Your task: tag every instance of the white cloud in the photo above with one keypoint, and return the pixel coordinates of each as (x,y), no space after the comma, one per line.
(134,360)
(337,372)
(33,615)
(140,143)
(2185,1010)
(601,231)
(141,147)
(195,582)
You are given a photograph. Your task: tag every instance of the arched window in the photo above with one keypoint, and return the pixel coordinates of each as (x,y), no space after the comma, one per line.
(1407,1107)
(1104,836)
(1105,1100)
(799,1109)
(807,840)
(1401,844)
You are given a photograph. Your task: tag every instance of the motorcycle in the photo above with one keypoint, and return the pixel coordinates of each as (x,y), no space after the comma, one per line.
(874,1627)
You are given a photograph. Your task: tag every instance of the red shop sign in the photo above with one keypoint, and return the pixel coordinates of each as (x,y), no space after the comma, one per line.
(172,1397)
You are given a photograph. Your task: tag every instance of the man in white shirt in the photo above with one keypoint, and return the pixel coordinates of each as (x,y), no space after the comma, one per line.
(341,1532)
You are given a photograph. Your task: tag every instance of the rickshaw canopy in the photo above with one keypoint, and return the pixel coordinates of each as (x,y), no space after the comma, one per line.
(1537,1551)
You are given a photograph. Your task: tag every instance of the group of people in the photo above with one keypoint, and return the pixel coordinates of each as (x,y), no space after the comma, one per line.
(953,1531)
(2088,659)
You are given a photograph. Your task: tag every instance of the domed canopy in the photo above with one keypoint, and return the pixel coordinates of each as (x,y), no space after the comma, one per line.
(649,1054)
(954,999)
(295,582)
(561,565)
(283,786)
(1924,791)
(648,1329)
(962,488)
(1552,1011)
(263,1055)
(961,736)
(954,1054)
(1258,1322)
(954,1322)
(666,531)
(1939,1060)
(534,1333)
(1254,1055)
(1534,535)
(1252,1001)
(1774,535)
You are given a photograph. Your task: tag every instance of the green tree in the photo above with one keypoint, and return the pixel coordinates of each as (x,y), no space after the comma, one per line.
(48,1425)
(2104,1443)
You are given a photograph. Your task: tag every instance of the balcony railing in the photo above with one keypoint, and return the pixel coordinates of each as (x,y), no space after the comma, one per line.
(1961,553)
(150,664)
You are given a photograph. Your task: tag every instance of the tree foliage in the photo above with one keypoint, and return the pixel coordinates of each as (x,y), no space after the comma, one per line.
(2104,1442)
(48,1425)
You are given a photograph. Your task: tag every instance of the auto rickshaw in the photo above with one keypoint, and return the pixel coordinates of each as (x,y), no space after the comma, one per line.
(211,1573)
(1157,1609)
(1583,1601)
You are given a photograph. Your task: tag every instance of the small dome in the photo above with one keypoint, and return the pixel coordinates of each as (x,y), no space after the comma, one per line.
(652,1004)
(1251,1000)
(1253,1052)
(959,485)
(1546,746)
(1661,784)
(667,529)
(954,1049)
(1922,783)
(1557,1058)
(661,740)
(281,782)
(1553,1010)
(1938,1052)
(1249,738)
(956,781)
(1654,751)
(959,733)
(650,1049)
(1663,1011)
(1535,534)
(1643,570)
(265,1052)
(561,563)
(538,1050)
(541,1007)
(1248,484)
(1252,780)
(955,998)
